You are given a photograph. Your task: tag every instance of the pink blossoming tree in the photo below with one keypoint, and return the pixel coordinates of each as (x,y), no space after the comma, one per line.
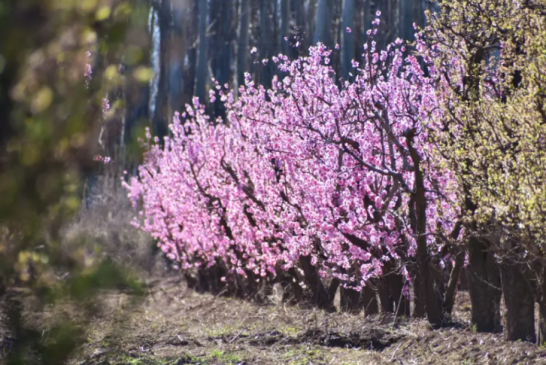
(312,181)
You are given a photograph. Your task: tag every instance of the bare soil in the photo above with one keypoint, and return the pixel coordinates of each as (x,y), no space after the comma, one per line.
(173,325)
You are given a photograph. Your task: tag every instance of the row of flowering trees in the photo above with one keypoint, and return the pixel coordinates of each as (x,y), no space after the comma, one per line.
(316,183)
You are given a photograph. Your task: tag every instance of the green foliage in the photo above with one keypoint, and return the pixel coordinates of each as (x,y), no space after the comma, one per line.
(300,356)
(224,358)
(51,118)
(494,134)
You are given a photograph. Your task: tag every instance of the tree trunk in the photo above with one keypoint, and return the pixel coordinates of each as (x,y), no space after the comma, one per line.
(484,286)
(368,301)
(418,291)
(242,42)
(299,14)
(321,297)
(433,298)
(391,287)
(311,24)
(137,92)
(190,65)
(385,298)
(202,62)
(292,291)
(520,302)
(266,39)
(453,282)
(348,48)
(177,55)
(161,114)
(349,300)
(412,12)
(463,280)
(323,23)
(396,288)
(541,340)
(220,47)
(285,27)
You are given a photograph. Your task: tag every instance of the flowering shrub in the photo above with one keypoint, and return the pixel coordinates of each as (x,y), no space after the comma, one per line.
(307,172)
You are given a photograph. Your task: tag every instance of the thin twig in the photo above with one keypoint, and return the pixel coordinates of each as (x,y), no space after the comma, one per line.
(237,336)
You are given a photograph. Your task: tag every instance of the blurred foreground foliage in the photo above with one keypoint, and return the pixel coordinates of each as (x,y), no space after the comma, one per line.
(50,117)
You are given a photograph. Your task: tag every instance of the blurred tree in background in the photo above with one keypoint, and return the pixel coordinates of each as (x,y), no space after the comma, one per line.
(51,121)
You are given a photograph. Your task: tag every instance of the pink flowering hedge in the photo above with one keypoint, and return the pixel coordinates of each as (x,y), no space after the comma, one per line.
(308,175)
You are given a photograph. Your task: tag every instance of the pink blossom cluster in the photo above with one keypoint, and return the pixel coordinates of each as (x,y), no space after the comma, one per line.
(103,159)
(306,168)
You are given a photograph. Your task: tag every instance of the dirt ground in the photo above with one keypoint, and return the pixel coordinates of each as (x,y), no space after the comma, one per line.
(173,325)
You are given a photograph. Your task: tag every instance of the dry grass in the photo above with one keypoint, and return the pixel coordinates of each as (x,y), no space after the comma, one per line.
(103,227)
(175,325)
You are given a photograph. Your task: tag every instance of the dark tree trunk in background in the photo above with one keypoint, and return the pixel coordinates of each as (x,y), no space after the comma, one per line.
(242,44)
(388,28)
(463,280)
(484,286)
(349,300)
(137,91)
(311,24)
(451,290)
(368,300)
(418,291)
(347,46)
(412,11)
(202,60)
(185,53)
(161,115)
(541,288)
(321,297)
(292,291)
(348,297)
(385,298)
(267,46)
(192,34)
(367,15)
(301,33)
(401,301)
(177,55)
(221,49)
(390,289)
(285,27)
(322,22)
(520,302)
(433,296)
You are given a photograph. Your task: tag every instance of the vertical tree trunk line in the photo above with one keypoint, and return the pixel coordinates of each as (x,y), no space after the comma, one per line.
(484,286)
(322,298)
(520,301)
(348,48)
(322,20)
(433,302)
(267,46)
(453,282)
(285,27)
(242,43)
(161,115)
(368,300)
(202,60)
(541,291)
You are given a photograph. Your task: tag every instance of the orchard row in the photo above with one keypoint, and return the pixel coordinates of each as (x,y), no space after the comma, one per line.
(426,159)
